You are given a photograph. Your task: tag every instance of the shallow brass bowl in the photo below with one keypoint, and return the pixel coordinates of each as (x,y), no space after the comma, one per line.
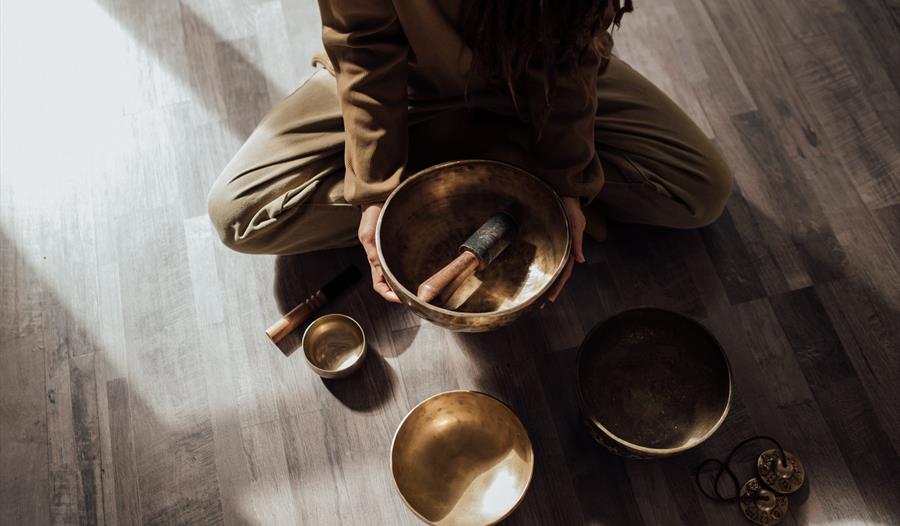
(429,215)
(652,383)
(334,345)
(462,458)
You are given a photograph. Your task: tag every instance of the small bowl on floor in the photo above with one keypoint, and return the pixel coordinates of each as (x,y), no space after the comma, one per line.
(334,345)
(652,383)
(462,458)
(427,217)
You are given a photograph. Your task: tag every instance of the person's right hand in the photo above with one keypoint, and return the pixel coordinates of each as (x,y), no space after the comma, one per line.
(366,235)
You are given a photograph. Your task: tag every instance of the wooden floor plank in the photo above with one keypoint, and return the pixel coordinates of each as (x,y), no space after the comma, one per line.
(870,334)
(846,118)
(860,49)
(87,438)
(26,484)
(177,475)
(724,90)
(128,495)
(647,260)
(311,468)
(268,497)
(804,220)
(732,261)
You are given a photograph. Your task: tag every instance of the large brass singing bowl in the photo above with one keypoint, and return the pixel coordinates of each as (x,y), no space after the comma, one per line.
(429,215)
(462,458)
(652,383)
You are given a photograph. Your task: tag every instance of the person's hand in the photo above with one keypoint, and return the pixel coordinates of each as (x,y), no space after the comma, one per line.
(366,235)
(575,218)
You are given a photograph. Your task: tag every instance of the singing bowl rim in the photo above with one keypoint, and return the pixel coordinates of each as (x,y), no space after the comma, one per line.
(525,488)
(412,297)
(346,370)
(652,452)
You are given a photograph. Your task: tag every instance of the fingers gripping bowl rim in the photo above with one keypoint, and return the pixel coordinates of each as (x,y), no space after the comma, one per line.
(429,214)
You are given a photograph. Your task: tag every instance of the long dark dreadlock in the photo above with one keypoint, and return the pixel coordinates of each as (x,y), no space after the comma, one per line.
(507,35)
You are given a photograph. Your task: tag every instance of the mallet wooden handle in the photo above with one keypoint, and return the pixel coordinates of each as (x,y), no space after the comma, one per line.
(445,281)
(295,317)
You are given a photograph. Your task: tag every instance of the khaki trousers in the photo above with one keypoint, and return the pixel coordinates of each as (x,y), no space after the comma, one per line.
(282,193)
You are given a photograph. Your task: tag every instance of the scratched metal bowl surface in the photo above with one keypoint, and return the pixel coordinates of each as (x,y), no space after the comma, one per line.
(429,215)
(652,383)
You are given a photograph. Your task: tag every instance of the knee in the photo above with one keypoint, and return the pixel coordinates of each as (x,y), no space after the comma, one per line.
(264,224)
(224,213)
(713,192)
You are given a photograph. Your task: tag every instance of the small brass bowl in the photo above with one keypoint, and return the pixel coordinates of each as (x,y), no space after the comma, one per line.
(462,458)
(429,215)
(652,383)
(334,345)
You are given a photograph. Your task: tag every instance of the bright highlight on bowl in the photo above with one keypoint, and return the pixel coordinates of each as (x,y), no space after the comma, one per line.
(462,458)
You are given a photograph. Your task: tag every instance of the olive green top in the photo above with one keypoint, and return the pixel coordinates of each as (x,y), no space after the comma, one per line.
(387,55)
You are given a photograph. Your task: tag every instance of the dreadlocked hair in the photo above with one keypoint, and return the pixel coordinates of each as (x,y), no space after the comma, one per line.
(505,36)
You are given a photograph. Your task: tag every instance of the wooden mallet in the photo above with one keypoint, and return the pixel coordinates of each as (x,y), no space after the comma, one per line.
(311,304)
(476,253)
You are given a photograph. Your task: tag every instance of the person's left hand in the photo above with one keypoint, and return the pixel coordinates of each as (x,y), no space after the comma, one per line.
(577,222)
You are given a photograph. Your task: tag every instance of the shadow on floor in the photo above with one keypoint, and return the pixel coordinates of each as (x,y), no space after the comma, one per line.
(651,267)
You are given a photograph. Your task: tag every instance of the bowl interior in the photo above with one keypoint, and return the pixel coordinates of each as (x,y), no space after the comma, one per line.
(333,343)
(654,379)
(462,458)
(430,215)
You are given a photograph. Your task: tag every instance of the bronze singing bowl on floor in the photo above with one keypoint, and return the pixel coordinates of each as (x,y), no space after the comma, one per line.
(652,383)
(462,458)
(428,216)
(334,345)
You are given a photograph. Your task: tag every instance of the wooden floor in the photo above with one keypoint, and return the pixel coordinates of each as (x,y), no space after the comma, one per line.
(137,385)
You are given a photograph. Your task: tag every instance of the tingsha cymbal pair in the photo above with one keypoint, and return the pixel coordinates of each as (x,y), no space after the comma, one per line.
(762,499)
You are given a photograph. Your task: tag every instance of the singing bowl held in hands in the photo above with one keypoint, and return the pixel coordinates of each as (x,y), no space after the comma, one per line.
(429,215)
(462,458)
(652,383)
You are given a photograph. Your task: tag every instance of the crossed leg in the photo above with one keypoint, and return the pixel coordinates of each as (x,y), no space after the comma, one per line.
(282,193)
